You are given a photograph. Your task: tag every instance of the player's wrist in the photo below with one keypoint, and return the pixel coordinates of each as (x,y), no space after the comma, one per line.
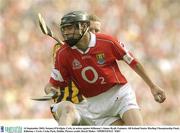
(51,92)
(49,88)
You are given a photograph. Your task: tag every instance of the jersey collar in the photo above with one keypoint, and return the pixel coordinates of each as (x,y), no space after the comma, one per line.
(92,43)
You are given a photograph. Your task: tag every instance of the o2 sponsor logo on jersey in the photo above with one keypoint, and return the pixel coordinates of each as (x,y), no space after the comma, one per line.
(76,64)
(96,76)
(100,58)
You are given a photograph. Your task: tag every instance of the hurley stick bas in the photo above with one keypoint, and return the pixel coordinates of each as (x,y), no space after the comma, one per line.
(46,30)
(50,96)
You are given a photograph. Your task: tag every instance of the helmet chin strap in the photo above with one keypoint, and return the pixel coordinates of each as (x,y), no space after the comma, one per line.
(73,41)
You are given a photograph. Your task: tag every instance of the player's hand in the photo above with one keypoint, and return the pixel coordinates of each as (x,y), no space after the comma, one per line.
(158,93)
(55,93)
(50,89)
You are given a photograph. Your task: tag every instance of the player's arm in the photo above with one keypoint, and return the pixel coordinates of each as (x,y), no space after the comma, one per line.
(158,93)
(59,75)
(55,83)
(49,88)
(122,53)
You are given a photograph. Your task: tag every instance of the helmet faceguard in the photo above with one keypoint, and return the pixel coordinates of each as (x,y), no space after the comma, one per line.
(79,22)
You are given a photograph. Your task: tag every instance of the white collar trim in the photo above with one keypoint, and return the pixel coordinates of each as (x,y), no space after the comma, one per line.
(92,43)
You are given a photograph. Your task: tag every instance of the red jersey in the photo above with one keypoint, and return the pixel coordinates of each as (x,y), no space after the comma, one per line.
(93,71)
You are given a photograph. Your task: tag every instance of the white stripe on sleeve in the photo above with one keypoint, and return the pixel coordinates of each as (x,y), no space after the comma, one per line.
(56,75)
(128,58)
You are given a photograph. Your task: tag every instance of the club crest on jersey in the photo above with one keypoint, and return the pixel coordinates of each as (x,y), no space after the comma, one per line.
(100,58)
(76,64)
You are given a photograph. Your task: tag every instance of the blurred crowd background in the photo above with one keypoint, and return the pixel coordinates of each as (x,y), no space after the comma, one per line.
(149,28)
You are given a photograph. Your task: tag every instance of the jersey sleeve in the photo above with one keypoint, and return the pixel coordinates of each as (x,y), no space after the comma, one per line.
(59,74)
(121,53)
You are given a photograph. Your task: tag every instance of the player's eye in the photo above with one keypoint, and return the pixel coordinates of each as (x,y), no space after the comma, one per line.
(67,28)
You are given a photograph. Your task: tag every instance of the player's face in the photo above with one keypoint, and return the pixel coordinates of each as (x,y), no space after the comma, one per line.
(70,31)
(95,26)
